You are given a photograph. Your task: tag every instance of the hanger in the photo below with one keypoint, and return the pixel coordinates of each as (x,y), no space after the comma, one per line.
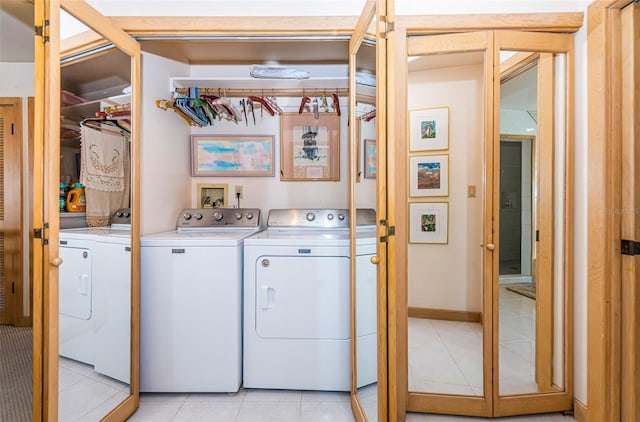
(97,123)
(264,102)
(303,103)
(167,104)
(369,116)
(336,103)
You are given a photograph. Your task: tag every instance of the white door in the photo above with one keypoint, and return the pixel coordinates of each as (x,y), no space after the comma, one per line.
(76,282)
(302,297)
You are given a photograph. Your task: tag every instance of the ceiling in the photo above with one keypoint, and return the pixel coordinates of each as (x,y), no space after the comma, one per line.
(17,45)
(101,76)
(246,51)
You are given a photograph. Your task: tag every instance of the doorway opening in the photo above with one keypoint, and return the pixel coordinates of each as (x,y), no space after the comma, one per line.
(516,210)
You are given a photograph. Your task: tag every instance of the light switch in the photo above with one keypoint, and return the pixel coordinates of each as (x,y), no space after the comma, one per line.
(471,191)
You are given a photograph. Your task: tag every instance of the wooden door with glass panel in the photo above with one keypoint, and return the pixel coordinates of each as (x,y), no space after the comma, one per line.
(362,178)
(83,400)
(478,163)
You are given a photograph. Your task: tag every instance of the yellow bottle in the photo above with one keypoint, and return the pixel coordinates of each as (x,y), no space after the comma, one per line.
(76,201)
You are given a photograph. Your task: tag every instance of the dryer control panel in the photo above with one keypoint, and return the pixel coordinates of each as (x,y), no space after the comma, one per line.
(207,218)
(318,218)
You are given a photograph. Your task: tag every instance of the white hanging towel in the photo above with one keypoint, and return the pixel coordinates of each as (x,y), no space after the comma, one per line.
(102,157)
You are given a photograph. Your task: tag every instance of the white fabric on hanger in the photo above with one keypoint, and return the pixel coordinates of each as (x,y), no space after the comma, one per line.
(102,156)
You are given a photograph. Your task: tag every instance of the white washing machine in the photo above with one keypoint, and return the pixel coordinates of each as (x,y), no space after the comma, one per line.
(191,302)
(297,301)
(112,276)
(80,278)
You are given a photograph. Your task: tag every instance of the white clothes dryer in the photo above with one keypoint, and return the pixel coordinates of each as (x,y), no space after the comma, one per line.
(191,302)
(76,307)
(297,301)
(366,302)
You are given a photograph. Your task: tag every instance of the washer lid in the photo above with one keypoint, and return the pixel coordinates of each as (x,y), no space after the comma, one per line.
(300,237)
(79,233)
(213,238)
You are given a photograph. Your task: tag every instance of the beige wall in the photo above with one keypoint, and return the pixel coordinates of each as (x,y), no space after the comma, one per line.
(449,276)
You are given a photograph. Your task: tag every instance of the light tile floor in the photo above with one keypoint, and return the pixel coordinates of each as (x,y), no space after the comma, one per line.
(280,406)
(85,395)
(248,405)
(450,364)
(446,356)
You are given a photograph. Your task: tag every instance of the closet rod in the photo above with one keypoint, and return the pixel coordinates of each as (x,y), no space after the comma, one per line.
(274,92)
(280,92)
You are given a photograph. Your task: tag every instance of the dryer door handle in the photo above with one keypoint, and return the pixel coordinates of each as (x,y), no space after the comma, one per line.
(266,299)
(83,284)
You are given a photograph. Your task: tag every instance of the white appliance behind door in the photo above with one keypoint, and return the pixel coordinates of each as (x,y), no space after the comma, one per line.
(187,318)
(367,319)
(112,266)
(294,294)
(76,305)
(300,307)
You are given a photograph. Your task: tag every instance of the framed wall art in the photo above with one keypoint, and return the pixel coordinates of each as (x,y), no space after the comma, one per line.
(429,175)
(428,222)
(309,147)
(232,155)
(429,129)
(369,158)
(357,148)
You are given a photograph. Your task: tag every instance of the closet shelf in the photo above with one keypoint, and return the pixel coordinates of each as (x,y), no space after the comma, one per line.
(245,92)
(244,87)
(326,83)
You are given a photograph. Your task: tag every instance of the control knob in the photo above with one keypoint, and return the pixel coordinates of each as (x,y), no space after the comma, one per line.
(186,216)
(310,216)
(340,217)
(197,216)
(119,214)
(238,215)
(249,216)
(330,217)
(126,214)
(217,216)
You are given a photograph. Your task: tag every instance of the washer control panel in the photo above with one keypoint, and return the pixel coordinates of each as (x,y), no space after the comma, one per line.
(205,218)
(318,218)
(121,216)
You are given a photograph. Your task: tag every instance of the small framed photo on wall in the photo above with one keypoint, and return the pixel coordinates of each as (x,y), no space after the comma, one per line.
(429,129)
(369,158)
(429,222)
(429,175)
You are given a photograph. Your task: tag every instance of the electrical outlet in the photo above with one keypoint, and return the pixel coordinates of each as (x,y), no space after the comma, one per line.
(239,190)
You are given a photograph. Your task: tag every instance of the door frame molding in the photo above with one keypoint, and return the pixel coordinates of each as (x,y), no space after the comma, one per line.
(604,260)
